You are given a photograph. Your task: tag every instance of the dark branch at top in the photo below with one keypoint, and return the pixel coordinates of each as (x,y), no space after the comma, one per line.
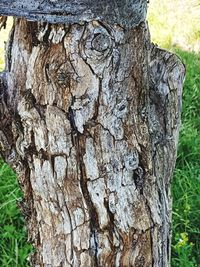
(126,13)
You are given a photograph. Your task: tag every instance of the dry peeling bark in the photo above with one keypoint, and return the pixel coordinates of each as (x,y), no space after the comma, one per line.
(90,114)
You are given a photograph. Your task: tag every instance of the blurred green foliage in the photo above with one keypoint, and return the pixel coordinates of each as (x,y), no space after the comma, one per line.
(175,23)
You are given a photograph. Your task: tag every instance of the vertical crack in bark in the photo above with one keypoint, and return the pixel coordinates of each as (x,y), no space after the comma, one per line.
(111,229)
(97,104)
(94,223)
(9,49)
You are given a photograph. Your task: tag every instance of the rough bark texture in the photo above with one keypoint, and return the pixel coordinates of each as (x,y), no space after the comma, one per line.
(127,13)
(90,115)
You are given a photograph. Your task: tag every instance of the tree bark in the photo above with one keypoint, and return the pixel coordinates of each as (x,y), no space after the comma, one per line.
(90,114)
(127,13)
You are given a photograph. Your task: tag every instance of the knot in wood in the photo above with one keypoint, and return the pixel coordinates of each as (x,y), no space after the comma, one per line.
(96,47)
(61,74)
(64,78)
(101,42)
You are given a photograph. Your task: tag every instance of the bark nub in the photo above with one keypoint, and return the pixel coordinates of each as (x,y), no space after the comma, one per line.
(95,120)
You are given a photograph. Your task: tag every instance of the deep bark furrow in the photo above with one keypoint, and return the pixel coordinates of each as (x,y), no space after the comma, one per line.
(94,223)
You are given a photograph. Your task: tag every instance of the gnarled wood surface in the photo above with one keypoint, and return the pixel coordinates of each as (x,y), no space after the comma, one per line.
(127,13)
(90,115)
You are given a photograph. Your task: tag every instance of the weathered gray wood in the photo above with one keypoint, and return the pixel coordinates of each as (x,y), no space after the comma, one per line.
(89,120)
(124,12)
(94,115)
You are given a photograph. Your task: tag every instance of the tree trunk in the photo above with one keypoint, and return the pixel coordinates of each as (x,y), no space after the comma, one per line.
(90,113)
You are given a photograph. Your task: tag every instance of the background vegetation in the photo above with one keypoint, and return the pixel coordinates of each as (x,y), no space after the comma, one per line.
(175,25)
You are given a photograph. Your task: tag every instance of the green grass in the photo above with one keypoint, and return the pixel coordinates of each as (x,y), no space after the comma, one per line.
(13,236)
(186,183)
(176,29)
